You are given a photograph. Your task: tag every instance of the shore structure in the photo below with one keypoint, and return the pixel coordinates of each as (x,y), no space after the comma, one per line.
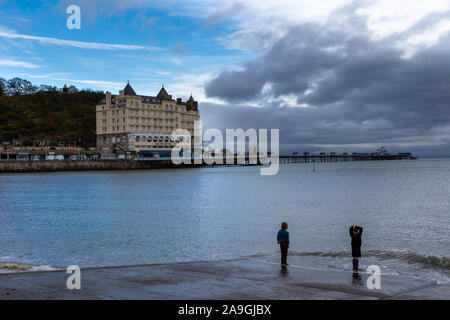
(96,162)
(133,123)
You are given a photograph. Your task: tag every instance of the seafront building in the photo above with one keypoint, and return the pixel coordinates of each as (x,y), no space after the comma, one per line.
(133,123)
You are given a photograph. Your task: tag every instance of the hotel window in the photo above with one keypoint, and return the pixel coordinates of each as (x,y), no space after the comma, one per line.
(131,103)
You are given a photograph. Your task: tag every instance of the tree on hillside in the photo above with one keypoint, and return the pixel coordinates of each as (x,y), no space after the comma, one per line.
(49,116)
(44,87)
(17,86)
(2,87)
(73,89)
(29,89)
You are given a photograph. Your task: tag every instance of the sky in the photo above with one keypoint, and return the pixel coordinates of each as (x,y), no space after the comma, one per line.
(331,75)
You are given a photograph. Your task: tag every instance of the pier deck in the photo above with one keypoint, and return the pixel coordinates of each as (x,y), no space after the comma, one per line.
(18,166)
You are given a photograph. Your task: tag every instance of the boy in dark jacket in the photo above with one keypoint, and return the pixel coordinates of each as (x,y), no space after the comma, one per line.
(355,234)
(283,241)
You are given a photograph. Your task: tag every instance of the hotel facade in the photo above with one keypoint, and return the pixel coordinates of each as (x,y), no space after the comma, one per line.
(132,123)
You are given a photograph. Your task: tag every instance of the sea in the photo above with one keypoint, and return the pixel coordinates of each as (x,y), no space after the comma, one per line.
(112,218)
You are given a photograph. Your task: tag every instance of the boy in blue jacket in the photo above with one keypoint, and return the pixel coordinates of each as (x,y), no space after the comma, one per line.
(355,234)
(283,241)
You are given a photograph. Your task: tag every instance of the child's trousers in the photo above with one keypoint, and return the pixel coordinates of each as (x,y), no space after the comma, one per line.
(284,251)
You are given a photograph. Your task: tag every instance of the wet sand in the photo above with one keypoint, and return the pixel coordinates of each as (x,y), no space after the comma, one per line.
(251,278)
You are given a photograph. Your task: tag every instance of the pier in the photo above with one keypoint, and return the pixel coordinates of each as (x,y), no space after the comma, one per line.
(333,157)
(25,164)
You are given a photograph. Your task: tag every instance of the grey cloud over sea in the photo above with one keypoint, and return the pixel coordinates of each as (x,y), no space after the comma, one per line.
(352,91)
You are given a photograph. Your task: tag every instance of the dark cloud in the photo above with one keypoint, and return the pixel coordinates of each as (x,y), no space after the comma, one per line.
(358,90)
(319,129)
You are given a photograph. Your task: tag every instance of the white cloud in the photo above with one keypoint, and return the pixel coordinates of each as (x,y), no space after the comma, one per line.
(43,76)
(19,64)
(176,61)
(64,78)
(193,83)
(271,18)
(426,38)
(392,16)
(5,33)
(98,83)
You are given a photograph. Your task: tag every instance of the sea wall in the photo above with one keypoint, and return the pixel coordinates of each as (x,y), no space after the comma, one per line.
(83,165)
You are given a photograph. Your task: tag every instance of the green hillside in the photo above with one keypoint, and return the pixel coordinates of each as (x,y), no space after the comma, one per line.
(52,116)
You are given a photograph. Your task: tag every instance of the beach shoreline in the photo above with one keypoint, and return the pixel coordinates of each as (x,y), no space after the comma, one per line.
(252,278)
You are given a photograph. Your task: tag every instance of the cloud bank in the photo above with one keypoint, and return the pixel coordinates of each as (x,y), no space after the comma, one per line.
(333,85)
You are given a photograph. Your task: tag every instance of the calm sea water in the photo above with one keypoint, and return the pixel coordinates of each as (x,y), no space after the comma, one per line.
(144,217)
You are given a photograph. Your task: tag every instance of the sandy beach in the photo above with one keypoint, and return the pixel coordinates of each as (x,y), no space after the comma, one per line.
(253,278)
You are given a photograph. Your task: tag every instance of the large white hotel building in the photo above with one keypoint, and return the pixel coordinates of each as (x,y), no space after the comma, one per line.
(132,123)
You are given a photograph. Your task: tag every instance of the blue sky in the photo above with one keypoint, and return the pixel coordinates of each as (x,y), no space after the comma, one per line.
(174,49)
